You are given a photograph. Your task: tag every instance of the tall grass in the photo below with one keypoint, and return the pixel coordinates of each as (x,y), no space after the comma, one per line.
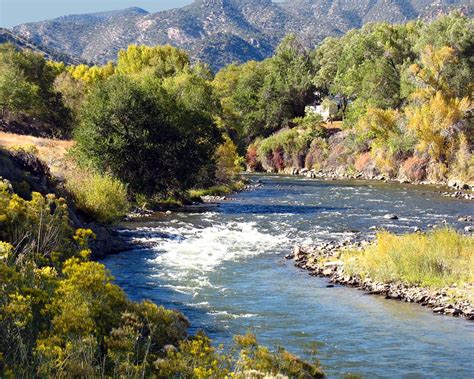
(437,259)
(102,197)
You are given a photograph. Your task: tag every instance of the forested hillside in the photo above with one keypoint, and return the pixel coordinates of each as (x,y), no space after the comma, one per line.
(220,32)
(402,93)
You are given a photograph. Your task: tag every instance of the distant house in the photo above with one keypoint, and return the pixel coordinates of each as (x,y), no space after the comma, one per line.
(326,108)
(319,109)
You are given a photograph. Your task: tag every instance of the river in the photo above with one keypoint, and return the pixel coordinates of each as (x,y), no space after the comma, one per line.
(223,266)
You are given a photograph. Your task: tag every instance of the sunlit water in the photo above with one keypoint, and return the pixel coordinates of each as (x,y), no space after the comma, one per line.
(223,266)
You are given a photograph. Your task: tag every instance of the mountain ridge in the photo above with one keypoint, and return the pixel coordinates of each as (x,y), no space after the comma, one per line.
(6,36)
(220,32)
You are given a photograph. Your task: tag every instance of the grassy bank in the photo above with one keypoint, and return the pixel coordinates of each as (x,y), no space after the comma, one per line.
(438,259)
(220,190)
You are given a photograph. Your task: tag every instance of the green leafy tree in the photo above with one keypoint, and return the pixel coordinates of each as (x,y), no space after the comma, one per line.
(17,94)
(457,32)
(161,61)
(36,84)
(139,134)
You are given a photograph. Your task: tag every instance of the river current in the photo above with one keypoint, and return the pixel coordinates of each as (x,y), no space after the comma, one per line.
(223,266)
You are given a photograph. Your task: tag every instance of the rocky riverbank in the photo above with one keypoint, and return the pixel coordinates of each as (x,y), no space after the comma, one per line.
(457,189)
(324,260)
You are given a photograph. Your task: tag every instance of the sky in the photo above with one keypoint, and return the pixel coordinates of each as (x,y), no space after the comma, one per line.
(14,12)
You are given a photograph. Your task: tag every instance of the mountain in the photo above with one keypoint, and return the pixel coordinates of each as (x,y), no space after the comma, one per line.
(6,36)
(220,32)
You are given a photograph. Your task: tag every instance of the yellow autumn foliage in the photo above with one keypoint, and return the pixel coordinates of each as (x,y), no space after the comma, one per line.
(437,124)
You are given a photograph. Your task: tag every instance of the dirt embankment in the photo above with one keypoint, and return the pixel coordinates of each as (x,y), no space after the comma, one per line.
(39,164)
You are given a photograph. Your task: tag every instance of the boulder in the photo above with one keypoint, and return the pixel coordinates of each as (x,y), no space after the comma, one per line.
(170,349)
(333,264)
(327,272)
(453,184)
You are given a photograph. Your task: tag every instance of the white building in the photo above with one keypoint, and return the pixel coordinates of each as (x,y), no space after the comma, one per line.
(327,109)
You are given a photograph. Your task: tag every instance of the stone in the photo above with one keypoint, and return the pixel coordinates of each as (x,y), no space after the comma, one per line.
(453,184)
(390,216)
(469,229)
(170,348)
(327,272)
(333,264)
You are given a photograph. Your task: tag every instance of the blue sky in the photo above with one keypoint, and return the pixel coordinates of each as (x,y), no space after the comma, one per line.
(14,12)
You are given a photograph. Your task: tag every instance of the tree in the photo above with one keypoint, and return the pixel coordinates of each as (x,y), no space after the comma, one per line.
(160,61)
(16,93)
(457,32)
(34,93)
(325,61)
(257,98)
(91,75)
(72,91)
(144,137)
(228,164)
(193,92)
(437,124)
(430,74)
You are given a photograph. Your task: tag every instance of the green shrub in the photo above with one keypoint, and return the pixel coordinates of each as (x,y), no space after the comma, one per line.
(144,136)
(284,148)
(102,197)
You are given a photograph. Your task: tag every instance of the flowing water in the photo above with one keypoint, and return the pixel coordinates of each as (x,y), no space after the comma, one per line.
(223,266)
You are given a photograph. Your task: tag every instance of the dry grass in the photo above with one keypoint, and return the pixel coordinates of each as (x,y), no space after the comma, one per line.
(52,152)
(437,259)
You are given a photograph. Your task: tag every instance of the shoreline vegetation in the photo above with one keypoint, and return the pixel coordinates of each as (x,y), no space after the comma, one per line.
(434,269)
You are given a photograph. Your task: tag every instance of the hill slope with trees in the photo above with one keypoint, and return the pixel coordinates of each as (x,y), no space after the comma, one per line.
(220,32)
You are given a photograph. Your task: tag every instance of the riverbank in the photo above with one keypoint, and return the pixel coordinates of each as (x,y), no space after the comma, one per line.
(453,189)
(327,260)
(334,157)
